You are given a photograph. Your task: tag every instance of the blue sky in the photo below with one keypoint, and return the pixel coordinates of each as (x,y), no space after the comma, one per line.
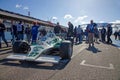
(76,11)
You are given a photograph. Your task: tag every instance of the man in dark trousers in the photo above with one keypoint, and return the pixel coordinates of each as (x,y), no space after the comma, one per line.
(70,30)
(116,34)
(28,33)
(2,35)
(103,34)
(70,33)
(109,33)
(13,32)
(57,29)
(75,34)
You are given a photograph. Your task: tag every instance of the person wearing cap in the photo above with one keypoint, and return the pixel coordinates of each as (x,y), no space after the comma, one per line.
(2,34)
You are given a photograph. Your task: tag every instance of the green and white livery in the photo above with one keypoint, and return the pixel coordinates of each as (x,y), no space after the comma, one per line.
(43,49)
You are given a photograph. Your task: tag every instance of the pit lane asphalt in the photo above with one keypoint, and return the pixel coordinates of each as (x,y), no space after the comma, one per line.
(101,56)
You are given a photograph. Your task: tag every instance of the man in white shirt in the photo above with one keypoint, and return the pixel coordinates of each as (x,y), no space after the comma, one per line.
(20,31)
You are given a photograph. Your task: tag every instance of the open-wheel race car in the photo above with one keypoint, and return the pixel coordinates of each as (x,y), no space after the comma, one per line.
(49,48)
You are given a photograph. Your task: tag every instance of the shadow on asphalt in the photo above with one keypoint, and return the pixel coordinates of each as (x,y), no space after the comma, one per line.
(93,49)
(37,65)
(5,50)
(115,45)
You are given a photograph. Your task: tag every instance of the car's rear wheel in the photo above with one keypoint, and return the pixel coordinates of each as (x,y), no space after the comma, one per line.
(21,47)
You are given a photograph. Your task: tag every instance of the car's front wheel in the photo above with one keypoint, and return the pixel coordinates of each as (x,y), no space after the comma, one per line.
(66,50)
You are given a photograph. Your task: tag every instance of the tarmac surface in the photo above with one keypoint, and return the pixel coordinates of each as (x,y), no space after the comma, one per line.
(101,62)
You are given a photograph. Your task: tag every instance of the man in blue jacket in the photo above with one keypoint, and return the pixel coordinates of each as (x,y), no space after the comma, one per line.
(34,32)
(90,30)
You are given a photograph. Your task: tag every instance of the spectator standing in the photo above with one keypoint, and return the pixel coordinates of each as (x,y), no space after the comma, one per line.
(57,29)
(2,34)
(28,33)
(96,34)
(63,33)
(20,31)
(14,32)
(42,34)
(109,33)
(86,34)
(75,34)
(90,30)
(70,30)
(70,33)
(34,31)
(103,34)
(79,34)
(82,34)
(119,34)
(100,36)
(116,34)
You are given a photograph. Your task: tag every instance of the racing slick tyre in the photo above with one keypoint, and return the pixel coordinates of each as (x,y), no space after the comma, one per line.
(21,47)
(66,50)
(71,39)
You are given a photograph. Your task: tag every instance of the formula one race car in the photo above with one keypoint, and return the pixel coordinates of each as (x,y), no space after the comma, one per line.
(49,48)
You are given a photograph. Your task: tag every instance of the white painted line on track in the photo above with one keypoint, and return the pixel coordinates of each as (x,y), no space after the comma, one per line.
(79,50)
(89,65)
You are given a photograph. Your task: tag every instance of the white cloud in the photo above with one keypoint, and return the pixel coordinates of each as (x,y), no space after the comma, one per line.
(68,16)
(81,19)
(18,6)
(101,21)
(83,22)
(26,8)
(117,21)
(54,18)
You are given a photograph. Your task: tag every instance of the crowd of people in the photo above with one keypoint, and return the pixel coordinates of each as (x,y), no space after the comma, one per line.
(33,33)
(18,30)
(91,34)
